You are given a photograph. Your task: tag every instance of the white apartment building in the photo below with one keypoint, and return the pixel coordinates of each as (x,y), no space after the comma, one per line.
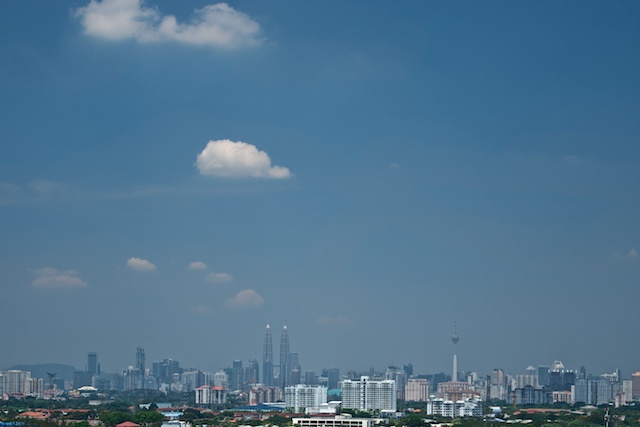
(20,382)
(208,395)
(451,409)
(300,397)
(369,395)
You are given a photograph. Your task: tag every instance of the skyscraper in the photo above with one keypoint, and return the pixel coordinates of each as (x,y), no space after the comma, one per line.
(267,358)
(140,367)
(252,372)
(285,370)
(333,377)
(140,359)
(93,367)
(236,379)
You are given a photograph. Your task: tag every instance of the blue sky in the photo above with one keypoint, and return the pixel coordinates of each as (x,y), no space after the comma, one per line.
(366,174)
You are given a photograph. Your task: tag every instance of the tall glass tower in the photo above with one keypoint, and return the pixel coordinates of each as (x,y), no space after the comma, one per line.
(267,358)
(93,367)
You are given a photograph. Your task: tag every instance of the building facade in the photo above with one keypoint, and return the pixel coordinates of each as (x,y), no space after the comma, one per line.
(299,397)
(416,390)
(369,395)
(210,395)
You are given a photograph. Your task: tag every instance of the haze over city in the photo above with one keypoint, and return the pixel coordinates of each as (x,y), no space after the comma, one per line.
(176,175)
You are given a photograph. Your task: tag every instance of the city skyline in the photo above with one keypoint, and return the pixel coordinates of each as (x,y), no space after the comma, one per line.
(332,375)
(176,175)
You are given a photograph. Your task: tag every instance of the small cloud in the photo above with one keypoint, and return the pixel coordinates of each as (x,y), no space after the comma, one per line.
(197,265)
(219,277)
(229,159)
(217,25)
(394,165)
(140,264)
(50,278)
(201,309)
(335,320)
(633,253)
(247,298)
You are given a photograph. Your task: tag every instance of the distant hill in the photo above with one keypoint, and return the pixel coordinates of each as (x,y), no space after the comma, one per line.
(64,372)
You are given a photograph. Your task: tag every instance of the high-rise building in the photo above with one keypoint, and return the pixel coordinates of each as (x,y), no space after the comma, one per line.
(140,359)
(300,397)
(416,390)
(333,377)
(285,369)
(635,386)
(267,358)
(543,375)
(236,379)
(369,395)
(310,378)
(93,367)
(20,382)
(497,377)
(399,376)
(408,369)
(164,369)
(627,389)
(295,371)
(252,372)
(140,368)
(208,395)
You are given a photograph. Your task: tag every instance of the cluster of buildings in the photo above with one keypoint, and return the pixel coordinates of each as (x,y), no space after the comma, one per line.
(555,383)
(283,384)
(19,384)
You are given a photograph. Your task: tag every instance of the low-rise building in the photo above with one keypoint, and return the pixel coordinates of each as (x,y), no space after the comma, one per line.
(337,421)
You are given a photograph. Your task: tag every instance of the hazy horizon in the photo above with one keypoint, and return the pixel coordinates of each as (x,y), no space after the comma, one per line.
(176,175)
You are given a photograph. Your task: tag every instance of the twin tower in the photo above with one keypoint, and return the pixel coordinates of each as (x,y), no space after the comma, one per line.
(288,367)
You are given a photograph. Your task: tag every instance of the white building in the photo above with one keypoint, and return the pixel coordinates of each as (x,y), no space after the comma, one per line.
(369,395)
(337,421)
(451,409)
(300,397)
(20,382)
(208,395)
(627,391)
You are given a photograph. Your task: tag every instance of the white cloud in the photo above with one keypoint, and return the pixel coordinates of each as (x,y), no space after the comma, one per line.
(394,165)
(336,320)
(50,278)
(197,265)
(219,277)
(246,298)
(231,159)
(217,25)
(633,253)
(140,264)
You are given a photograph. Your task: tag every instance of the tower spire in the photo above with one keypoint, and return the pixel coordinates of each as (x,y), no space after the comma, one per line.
(454,339)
